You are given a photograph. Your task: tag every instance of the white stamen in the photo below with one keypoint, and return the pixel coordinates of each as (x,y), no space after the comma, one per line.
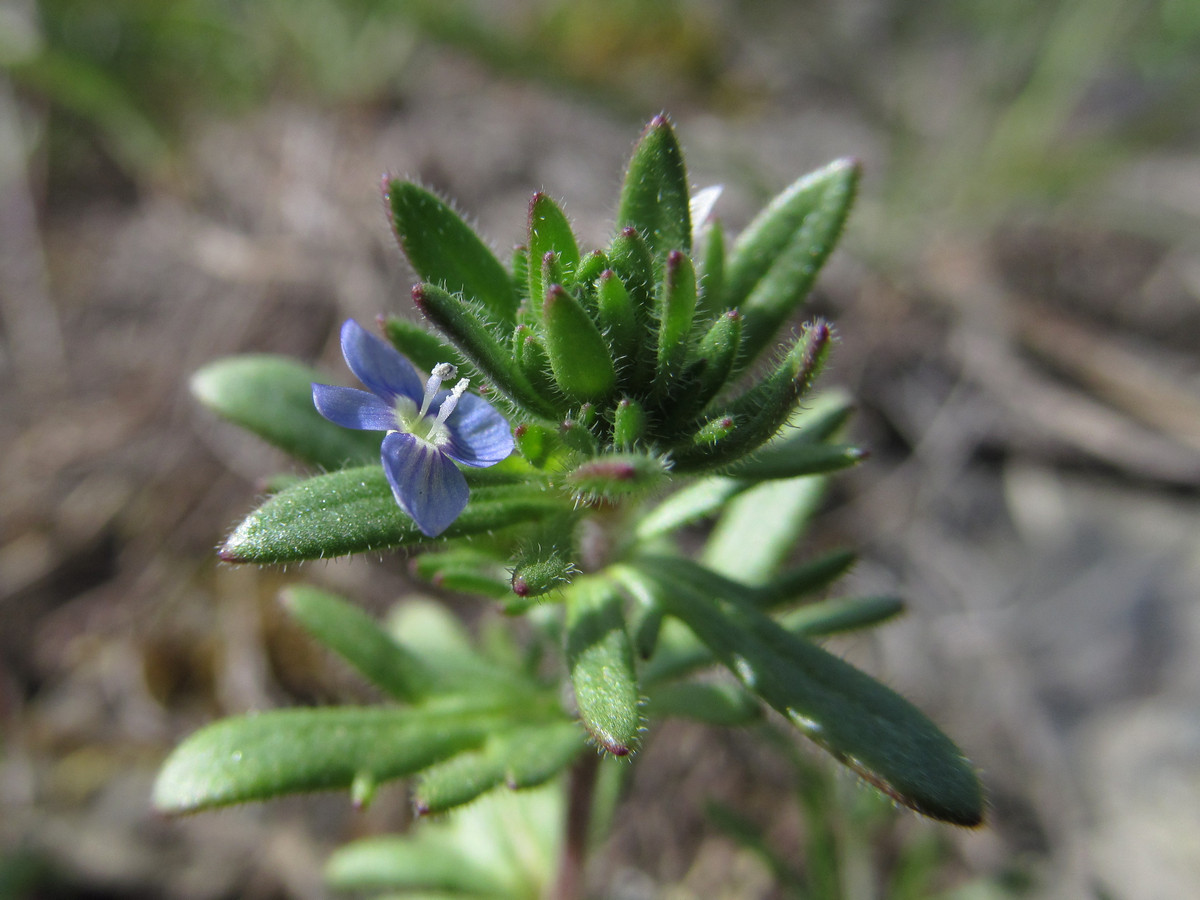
(452,401)
(441,372)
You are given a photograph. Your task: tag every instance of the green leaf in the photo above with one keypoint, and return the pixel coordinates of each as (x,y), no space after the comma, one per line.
(759,528)
(618,319)
(654,197)
(759,413)
(353,511)
(359,640)
(791,459)
(841,614)
(712,275)
(600,660)
(579,357)
(468,330)
(713,703)
(458,780)
(703,498)
(776,259)
(267,755)
(538,753)
(629,423)
(806,578)
(866,726)
(444,250)
(549,232)
(719,350)
(424,350)
(414,862)
(272,397)
(519,758)
(677,308)
(503,847)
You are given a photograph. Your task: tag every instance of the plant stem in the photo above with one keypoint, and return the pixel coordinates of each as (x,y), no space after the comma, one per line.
(581,787)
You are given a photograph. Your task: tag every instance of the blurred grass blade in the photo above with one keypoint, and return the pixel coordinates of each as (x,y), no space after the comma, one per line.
(862,723)
(353,511)
(600,660)
(272,397)
(444,250)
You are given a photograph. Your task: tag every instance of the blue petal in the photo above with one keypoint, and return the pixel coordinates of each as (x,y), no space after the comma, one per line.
(479,435)
(425,482)
(377,365)
(352,408)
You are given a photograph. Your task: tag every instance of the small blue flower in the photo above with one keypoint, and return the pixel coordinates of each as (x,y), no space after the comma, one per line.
(421,447)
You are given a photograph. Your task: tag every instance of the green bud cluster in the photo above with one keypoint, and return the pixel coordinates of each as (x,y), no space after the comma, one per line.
(635,348)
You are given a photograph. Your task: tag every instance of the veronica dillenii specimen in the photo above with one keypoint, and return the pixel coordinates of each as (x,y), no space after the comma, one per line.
(428,429)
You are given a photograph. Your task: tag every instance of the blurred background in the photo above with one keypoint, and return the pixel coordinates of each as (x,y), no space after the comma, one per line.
(1018,299)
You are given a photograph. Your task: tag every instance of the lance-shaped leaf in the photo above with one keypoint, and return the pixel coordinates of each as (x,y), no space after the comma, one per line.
(676,310)
(629,423)
(841,614)
(791,459)
(600,661)
(358,639)
(470,333)
(806,578)
(719,349)
(444,250)
(272,397)
(760,527)
(865,725)
(515,859)
(699,500)
(777,258)
(518,758)
(591,267)
(579,357)
(353,511)
(414,863)
(724,705)
(630,257)
(618,319)
(654,197)
(760,412)
(423,350)
(712,275)
(549,232)
(297,750)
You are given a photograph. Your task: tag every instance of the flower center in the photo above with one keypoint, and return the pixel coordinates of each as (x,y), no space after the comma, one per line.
(418,422)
